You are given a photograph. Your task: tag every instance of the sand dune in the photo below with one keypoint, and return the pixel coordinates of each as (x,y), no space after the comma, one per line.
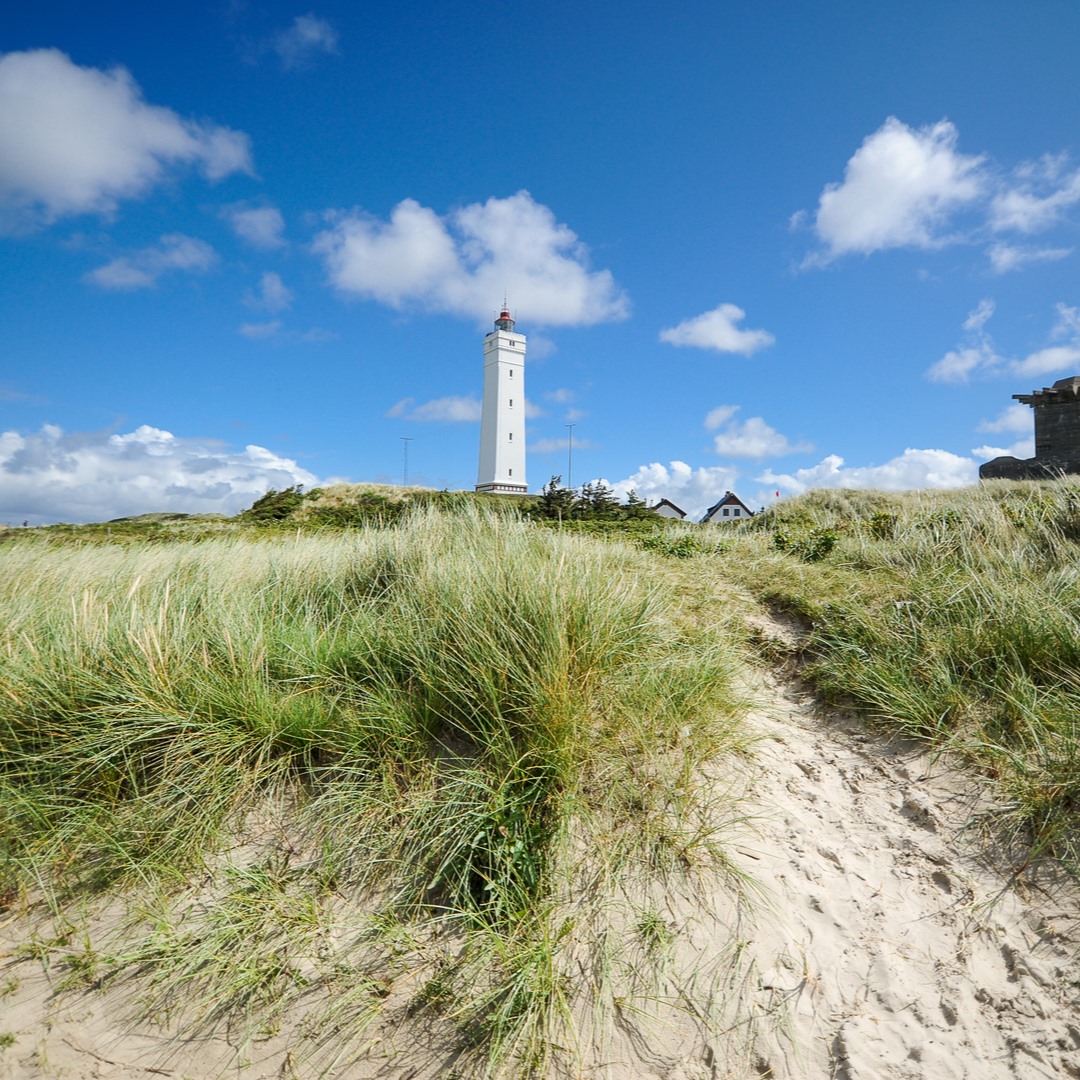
(880,941)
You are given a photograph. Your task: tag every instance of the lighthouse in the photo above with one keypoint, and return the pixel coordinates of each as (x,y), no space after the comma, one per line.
(502,418)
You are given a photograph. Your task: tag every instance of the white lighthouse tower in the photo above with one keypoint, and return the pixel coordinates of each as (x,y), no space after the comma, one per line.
(502,419)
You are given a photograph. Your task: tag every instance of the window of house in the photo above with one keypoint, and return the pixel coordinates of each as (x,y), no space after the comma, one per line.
(726,511)
(735,512)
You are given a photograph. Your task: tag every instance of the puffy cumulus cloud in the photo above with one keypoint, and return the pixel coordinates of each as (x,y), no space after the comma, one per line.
(141,269)
(752,438)
(261,226)
(56,476)
(452,409)
(717,330)
(692,490)
(458,264)
(899,190)
(1038,196)
(77,139)
(272,295)
(974,355)
(912,469)
(1006,257)
(308,37)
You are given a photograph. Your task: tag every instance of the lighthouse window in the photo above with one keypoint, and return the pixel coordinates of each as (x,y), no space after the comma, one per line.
(511,403)
(511,436)
(510,472)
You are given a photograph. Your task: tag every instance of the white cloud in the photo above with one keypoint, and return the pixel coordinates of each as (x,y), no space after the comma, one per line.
(54,476)
(957,365)
(912,469)
(716,329)
(261,226)
(978,318)
(1023,448)
(141,269)
(1006,257)
(1055,358)
(978,356)
(306,38)
(1041,193)
(974,355)
(1012,418)
(551,446)
(753,438)
(273,294)
(452,409)
(561,395)
(899,189)
(692,490)
(541,347)
(460,264)
(261,331)
(77,139)
(274,330)
(719,416)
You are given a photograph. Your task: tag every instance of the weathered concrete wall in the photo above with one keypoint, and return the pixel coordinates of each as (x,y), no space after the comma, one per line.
(1057,436)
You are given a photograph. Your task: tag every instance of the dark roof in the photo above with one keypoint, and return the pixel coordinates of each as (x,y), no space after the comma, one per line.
(667,502)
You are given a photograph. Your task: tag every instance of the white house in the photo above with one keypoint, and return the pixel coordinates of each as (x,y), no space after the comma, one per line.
(667,509)
(729,509)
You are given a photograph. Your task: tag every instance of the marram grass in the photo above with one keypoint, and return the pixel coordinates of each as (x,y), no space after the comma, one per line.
(461,720)
(954,615)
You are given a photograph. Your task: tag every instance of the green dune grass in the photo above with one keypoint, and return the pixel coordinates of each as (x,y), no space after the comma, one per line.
(464,717)
(954,616)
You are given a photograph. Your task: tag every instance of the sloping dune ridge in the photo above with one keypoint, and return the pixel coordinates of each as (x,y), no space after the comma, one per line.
(881,936)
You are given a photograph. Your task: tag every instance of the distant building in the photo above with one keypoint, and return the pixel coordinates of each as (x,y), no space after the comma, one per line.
(729,509)
(1057,436)
(667,509)
(502,416)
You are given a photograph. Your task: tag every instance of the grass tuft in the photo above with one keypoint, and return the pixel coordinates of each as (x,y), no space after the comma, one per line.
(253,731)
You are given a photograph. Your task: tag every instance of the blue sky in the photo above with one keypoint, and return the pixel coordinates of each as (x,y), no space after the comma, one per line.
(755,246)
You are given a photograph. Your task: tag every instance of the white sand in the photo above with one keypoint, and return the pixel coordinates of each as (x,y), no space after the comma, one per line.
(882,947)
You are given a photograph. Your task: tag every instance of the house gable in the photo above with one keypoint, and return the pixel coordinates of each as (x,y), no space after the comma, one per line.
(729,509)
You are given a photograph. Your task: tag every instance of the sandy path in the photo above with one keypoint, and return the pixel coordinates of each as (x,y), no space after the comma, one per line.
(898,951)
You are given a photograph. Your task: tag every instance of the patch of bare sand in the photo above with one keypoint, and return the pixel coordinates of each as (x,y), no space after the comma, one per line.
(878,942)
